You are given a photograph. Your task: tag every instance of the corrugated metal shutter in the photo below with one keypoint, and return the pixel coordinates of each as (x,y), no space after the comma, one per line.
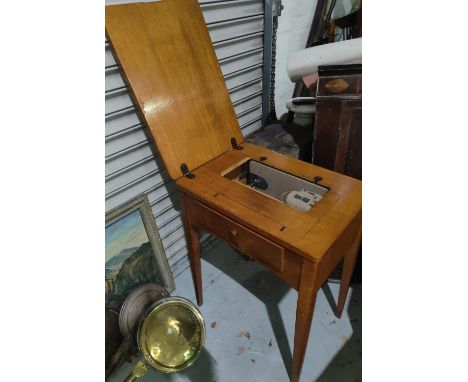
(132,164)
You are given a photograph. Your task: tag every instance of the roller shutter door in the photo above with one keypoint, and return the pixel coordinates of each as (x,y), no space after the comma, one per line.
(133,166)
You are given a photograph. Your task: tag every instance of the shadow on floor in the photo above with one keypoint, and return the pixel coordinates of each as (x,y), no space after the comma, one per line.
(262,284)
(202,370)
(346,366)
(270,290)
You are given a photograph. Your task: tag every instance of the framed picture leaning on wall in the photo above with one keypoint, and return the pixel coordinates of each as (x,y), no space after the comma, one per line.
(134,252)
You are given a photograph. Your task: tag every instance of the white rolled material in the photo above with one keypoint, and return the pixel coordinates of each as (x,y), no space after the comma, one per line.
(307,61)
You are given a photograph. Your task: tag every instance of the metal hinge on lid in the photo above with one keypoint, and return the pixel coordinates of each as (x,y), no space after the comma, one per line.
(186,172)
(317,179)
(234,144)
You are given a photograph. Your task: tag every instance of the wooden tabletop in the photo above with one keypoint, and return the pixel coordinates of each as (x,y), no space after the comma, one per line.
(310,234)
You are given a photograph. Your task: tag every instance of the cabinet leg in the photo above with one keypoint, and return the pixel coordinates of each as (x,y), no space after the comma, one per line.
(307,295)
(195,263)
(193,241)
(347,273)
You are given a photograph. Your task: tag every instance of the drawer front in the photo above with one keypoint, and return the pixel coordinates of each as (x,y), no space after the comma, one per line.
(240,237)
(339,86)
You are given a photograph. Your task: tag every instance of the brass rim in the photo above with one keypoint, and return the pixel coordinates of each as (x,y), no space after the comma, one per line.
(143,329)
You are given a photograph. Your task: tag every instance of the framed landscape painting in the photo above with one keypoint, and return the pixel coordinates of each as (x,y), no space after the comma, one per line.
(134,252)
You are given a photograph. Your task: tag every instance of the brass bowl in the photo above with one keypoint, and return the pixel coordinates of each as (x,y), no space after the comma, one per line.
(171,334)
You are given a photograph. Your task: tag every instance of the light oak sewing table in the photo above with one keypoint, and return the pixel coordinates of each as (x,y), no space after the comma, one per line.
(168,61)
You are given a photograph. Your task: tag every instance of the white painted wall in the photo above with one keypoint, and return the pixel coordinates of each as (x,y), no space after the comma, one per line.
(293,30)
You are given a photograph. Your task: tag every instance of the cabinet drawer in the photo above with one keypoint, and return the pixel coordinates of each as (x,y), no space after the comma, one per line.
(237,235)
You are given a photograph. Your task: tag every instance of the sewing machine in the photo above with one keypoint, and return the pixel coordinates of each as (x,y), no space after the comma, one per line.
(251,197)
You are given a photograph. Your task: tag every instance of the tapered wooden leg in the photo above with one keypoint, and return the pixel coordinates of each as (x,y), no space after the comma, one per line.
(193,241)
(307,295)
(347,273)
(195,263)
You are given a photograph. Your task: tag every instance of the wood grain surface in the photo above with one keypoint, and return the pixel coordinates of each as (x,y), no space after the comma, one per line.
(310,234)
(168,60)
(166,54)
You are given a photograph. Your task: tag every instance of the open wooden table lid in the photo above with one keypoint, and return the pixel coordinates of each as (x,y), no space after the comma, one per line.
(169,62)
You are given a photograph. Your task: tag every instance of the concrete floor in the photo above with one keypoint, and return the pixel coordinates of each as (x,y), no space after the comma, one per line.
(250,317)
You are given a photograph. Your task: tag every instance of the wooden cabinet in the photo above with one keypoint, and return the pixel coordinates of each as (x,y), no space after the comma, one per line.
(338,128)
(179,90)
(338,120)
(240,237)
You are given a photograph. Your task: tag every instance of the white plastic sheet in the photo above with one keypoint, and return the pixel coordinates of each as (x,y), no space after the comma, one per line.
(305,62)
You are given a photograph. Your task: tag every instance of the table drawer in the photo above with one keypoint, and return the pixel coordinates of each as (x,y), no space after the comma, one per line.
(239,236)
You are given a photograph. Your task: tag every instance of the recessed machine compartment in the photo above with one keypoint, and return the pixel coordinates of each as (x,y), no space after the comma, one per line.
(292,190)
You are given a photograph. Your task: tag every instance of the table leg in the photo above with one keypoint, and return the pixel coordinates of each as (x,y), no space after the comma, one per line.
(307,295)
(347,273)
(193,241)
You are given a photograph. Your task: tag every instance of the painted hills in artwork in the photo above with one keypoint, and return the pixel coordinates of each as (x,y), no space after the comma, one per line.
(117,260)
(139,267)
